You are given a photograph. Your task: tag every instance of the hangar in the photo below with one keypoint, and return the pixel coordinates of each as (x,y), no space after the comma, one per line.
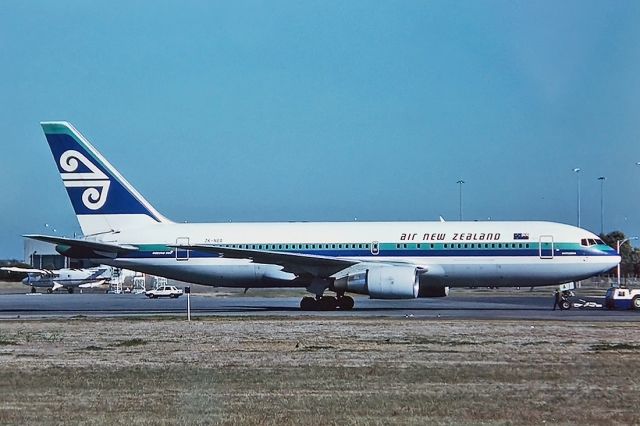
(44,256)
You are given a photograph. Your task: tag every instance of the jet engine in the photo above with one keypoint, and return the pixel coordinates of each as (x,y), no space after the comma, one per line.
(382,282)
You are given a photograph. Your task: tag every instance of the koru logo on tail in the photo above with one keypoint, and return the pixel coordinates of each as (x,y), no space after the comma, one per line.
(96,182)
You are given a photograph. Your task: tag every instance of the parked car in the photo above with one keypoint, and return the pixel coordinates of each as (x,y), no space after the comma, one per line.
(165,291)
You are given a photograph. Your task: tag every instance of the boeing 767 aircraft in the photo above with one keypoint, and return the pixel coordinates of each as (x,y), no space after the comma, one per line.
(385,260)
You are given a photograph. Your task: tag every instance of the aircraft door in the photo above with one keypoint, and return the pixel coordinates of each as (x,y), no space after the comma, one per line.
(546,247)
(375,248)
(182,254)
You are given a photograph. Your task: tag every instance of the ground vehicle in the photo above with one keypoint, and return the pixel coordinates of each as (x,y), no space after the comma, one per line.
(622,298)
(165,291)
(584,304)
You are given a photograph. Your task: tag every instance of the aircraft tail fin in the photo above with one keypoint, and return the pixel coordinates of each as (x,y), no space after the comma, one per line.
(102,198)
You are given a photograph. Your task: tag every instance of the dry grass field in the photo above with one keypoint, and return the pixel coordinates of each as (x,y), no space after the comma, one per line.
(310,371)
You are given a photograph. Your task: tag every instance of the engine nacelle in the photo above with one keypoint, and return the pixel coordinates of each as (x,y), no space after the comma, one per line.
(382,282)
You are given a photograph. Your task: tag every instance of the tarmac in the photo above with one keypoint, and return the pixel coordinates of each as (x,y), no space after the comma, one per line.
(507,307)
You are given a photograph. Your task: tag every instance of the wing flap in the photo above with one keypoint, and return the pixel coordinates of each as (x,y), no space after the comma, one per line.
(295,263)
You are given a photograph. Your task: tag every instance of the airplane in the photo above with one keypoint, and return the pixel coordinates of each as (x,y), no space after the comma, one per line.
(385,260)
(56,279)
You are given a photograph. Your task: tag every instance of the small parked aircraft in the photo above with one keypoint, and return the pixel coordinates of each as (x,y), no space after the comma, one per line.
(56,279)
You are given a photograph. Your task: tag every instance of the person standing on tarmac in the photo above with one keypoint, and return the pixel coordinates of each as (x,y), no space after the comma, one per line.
(558,299)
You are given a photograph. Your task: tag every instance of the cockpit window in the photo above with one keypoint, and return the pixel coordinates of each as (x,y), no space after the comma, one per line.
(588,242)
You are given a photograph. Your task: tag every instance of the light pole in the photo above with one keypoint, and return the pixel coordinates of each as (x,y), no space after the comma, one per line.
(618,244)
(577,172)
(460,183)
(602,179)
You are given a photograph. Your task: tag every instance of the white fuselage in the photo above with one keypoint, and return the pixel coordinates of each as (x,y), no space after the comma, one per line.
(68,278)
(456,253)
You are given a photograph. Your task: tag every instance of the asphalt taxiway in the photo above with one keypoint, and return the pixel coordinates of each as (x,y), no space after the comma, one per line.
(34,306)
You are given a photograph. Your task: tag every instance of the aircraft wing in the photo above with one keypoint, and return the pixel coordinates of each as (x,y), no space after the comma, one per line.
(295,263)
(92,284)
(85,244)
(26,270)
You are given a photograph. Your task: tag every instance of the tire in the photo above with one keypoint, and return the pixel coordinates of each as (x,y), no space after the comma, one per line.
(345,303)
(635,303)
(307,303)
(565,305)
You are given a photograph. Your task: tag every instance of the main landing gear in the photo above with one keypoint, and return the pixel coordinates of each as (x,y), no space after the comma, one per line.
(326,303)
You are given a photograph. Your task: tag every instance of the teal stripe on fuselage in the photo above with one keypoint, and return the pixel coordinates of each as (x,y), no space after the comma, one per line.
(396,250)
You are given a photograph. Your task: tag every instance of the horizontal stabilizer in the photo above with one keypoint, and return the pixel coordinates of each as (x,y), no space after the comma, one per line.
(85,244)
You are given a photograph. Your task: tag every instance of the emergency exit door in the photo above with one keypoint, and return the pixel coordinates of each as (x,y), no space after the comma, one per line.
(546,247)
(182,254)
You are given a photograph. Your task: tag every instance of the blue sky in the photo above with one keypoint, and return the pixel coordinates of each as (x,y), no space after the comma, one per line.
(269,111)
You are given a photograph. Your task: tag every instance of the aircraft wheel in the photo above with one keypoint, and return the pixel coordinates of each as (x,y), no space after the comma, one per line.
(33,289)
(345,303)
(307,303)
(70,290)
(565,305)
(635,303)
(49,290)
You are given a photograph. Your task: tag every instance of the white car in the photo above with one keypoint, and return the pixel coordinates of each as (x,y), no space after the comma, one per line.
(165,291)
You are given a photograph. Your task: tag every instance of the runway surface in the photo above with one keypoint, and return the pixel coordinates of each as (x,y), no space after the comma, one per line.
(14,306)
